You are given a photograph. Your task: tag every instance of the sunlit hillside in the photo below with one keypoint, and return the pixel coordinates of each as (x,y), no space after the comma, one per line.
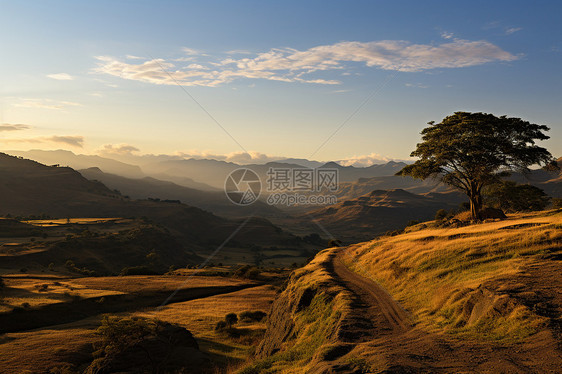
(492,280)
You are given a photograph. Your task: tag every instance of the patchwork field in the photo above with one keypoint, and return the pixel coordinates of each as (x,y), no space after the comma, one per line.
(42,349)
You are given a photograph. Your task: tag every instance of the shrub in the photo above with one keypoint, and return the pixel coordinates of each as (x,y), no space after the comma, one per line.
(556,203)
(220,326)
(441,214)
(412,223)
(256,316)
(335,243)
(117,334)
(253,273)
(248,272)
(231,319)
(42,287)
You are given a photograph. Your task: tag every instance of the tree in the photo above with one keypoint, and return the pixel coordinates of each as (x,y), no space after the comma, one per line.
(231,319)
(511,197)
(470,151)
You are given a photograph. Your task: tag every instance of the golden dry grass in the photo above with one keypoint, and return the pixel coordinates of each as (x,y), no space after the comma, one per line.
(201,315)
(27,290)
(43,349)
(39,351)
(433,271)
(64,221)
(144,283)
(33,292)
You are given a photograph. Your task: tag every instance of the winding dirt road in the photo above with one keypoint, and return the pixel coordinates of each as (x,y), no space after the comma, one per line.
(373,295)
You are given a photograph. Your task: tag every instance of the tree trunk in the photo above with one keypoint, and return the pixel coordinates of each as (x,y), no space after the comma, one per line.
(475,202)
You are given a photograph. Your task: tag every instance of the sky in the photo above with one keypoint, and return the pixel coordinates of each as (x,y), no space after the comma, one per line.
(257,80)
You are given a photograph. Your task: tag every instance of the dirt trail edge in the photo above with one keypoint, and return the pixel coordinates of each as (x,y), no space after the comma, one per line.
(374,295)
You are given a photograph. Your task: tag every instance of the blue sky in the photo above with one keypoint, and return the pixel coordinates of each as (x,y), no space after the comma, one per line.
(280,77)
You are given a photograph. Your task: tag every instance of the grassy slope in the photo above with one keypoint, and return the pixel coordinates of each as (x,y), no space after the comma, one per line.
(46,348)
(305,322)
(443,276)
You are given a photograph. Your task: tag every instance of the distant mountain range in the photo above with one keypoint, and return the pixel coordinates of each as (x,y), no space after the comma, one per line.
(148,187)
(201,174)
(372,199)
(30,188)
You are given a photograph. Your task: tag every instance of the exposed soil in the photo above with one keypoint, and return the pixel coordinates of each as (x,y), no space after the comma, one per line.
(388,339)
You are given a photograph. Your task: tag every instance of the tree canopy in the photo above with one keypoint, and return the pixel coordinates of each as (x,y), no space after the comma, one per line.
(512,197)
(472,150)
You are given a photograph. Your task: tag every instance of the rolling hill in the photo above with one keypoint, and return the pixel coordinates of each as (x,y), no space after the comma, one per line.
(30,188)
(68,158)
(148,187)
(380,211)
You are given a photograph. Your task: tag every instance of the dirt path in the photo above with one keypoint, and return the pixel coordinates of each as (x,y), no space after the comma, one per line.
(373,295)
(390,335)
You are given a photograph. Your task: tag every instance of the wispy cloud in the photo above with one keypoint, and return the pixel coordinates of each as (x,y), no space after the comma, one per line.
(447,35)
(190,51)
(118,149)
(44,104)
(512,30)
(243,158)
(132,57)
(74,141)
(416,85)
(61,76)
(291,65)
(364,160)
(238,52)
(236,157)
(13,127)
(71,140)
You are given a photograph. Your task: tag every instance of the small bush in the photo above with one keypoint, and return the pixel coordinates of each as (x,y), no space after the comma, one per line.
(334,243)
(42,287)
(441,214)
(248,272)
(220,326)
(256,316)
(231,319)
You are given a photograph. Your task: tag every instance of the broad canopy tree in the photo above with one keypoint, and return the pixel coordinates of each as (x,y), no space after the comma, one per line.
(472,150)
